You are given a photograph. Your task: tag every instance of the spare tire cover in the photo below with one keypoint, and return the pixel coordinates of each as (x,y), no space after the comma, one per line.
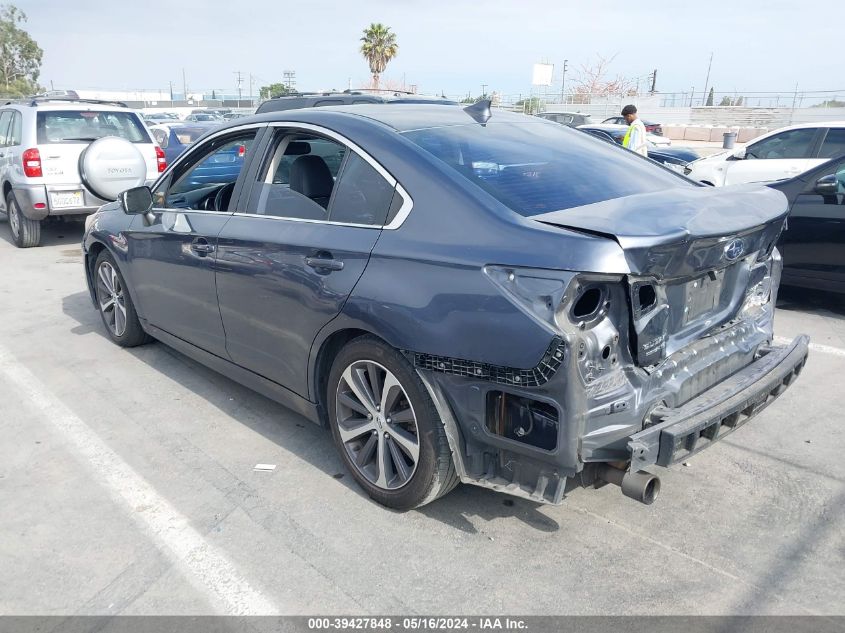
(111,165)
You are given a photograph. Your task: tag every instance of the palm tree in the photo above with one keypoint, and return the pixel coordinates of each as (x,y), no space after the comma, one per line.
(378,47)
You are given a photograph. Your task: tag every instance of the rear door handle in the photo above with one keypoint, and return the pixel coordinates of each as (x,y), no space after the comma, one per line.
(201,247)
(324,263)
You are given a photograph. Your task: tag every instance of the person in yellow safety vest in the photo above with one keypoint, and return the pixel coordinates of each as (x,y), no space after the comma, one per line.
(635,136)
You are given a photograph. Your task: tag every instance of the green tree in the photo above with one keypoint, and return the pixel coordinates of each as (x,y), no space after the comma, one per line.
(20,55)
(726,101)
(830,103)
(378,46)
(710,98)
(530,106)
(275,90)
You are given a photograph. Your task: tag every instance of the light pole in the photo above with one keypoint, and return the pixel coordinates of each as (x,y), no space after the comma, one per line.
(563,79)
(483,90)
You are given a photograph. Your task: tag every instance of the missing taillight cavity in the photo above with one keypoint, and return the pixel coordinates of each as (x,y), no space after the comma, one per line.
(587,303)
(646,297)
(522,419)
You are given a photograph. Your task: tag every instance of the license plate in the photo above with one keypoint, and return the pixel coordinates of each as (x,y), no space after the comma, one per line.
(64,199)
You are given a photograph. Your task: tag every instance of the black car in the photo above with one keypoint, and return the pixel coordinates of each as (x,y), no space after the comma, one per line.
(458,294)
(295,102)
(570,119)
(813,244)
(667,155)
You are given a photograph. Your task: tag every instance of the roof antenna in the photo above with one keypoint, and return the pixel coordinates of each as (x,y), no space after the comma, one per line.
(480,111)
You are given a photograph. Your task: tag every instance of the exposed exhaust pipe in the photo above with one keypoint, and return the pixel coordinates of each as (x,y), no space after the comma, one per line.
(642,486)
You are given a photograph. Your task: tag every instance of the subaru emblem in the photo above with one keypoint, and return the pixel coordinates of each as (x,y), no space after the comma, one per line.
(734,250)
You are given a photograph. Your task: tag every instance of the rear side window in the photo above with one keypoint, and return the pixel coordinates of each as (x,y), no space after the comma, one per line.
(362,195)
(535,168)
(314,178)
(834,143)
(789,144)
(71,126)
(15,131)
(5,124)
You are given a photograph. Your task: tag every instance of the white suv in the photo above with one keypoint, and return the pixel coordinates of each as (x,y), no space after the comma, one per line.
(781,154)
(42,144)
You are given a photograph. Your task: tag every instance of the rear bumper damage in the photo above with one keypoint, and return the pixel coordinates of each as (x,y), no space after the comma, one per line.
(683,431)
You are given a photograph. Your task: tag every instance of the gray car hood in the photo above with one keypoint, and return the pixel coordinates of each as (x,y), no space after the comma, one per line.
(683,230)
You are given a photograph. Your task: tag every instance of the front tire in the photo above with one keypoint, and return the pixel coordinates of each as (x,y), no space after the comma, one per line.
(386,427)
(115,304)
(26,233)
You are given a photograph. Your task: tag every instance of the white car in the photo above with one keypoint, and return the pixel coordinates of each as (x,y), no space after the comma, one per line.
(45,145)
(781,154)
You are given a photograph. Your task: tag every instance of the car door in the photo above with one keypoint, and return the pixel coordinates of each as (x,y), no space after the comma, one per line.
(776,157)
(172,257)
(291,255)
(813,246)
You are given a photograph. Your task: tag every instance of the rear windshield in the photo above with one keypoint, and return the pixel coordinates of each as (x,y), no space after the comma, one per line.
(536,167)
(58,126)
(187,135)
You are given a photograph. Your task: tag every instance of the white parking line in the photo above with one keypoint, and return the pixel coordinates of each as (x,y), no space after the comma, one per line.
(203,564)
(814,347)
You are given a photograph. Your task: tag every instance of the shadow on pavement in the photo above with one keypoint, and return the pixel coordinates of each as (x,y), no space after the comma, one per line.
(55,231)
(298,435)
(818,302)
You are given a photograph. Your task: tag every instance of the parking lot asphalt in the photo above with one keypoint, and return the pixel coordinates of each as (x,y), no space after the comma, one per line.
(127,486)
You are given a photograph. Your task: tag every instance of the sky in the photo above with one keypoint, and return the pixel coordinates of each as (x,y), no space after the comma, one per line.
(453,46)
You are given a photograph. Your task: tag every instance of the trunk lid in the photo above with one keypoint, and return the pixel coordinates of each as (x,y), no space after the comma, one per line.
(693,254)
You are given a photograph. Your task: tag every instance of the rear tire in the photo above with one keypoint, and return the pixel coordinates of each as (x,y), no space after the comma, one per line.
(26,233)
(399,454)
(115,304)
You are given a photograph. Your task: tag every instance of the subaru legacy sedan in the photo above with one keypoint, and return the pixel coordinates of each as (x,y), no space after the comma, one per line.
(459,296)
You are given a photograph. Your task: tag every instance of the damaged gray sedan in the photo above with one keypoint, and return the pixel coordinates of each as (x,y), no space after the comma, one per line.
(495,300)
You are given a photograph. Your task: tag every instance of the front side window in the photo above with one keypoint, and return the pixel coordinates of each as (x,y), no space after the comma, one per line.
(315,178)
(833,144)
(207,178)
(789,144)
(79,126)
(535,168)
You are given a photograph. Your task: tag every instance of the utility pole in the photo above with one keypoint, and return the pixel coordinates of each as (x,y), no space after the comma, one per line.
(238,74)
(251,100)
(563,78)
(184,86)
(483,90)
(707,81)
(171,93)
(654,81)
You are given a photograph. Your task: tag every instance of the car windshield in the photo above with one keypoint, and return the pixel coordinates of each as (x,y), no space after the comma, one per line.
(71,126)
(536,168)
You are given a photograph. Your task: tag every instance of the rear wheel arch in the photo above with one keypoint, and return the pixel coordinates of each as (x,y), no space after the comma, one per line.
(324,359)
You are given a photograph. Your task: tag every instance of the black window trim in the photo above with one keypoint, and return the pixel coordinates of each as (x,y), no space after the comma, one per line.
(407,201)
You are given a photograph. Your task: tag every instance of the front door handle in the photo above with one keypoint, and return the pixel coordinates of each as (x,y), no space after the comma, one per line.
(324,261)
(201,247)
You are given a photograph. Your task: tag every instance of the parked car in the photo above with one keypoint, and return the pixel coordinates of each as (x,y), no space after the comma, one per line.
(674,157)
(505,303)
(618,133)
(161,116)
(571,119)
(344,98)
(230,116)
(175,139)
(650,127)
(781,154)
(45,144)
(813,246)
(204,117)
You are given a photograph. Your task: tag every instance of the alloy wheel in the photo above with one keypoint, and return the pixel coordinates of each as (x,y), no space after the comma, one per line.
(377,425)
(111,298)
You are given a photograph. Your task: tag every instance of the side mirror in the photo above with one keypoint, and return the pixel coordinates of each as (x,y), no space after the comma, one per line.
(739,154)
(136,201)
(827,185)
